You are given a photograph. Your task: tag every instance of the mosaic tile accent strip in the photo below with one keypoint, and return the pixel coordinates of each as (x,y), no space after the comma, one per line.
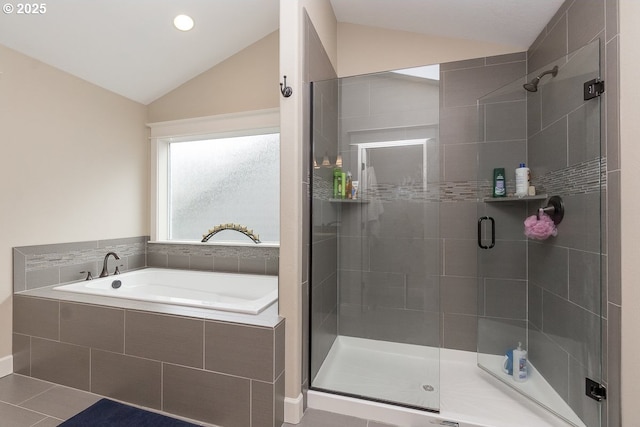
(322,189)
(44,265)
(404,192)
(258,259)
(581,178)
(256,251)
(464,191)
(57,256)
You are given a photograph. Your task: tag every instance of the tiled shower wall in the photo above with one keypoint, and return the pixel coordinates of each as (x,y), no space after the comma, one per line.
(575,251)
(577,23)
(564,272)
(323,243)
(388,263)
(412,276)
(490,284)
(324,238)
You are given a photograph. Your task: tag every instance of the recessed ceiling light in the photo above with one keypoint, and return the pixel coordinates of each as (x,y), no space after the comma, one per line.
(183,22)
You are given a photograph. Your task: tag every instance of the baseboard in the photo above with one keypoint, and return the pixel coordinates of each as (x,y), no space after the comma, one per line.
(6,365)
(293,409)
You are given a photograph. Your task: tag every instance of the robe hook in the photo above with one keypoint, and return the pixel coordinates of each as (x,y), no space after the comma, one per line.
(284,89)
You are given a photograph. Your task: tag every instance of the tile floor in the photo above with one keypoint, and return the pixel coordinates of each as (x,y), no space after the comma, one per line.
(29,402)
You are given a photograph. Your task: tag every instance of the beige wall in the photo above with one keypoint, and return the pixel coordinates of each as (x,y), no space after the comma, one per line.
(363,49)
(74,165)
(77,156)
(246,81)
(326,26)
(290,270)
(292,180)
(630,207)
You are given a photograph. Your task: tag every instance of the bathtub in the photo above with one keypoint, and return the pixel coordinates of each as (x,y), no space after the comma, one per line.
(239,293)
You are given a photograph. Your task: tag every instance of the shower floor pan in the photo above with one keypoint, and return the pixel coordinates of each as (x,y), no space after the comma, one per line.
(406,374)
(402,373)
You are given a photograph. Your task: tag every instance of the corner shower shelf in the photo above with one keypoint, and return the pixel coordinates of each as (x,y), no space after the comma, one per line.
(515,198)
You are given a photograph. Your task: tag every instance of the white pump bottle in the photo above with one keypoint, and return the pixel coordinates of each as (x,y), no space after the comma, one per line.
(523,178)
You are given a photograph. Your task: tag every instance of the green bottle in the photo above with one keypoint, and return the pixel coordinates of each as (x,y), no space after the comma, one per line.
(337,183)
(499,183)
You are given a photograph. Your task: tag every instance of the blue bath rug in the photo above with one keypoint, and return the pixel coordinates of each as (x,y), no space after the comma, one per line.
(107,413)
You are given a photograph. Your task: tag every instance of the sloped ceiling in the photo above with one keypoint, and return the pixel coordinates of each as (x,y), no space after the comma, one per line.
(131,47)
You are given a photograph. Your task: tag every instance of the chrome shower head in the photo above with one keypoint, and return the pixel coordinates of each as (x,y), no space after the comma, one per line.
(532,86)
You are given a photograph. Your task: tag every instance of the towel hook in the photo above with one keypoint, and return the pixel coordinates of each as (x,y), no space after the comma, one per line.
(284,89)
(554,208)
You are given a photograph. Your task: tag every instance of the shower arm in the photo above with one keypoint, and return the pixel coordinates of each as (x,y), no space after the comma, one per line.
(532,86)
(553,71)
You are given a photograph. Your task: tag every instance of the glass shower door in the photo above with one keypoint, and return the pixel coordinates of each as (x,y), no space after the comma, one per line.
(543,292)
(375,318)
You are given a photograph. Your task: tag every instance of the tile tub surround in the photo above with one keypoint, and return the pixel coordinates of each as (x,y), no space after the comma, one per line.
(223,373)
(224,258)
(43,265)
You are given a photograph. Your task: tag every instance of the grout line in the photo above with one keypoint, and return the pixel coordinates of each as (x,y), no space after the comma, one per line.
(48,417)
(90,365)
(204,344)
(162,386)
(32,397)
(30,410)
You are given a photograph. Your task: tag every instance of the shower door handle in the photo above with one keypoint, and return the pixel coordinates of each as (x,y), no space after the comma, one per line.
(493,232)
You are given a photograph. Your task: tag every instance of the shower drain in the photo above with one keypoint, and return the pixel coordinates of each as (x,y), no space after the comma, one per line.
(427,387)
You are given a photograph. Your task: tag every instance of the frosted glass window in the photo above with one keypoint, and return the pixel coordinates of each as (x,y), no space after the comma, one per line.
(227,180)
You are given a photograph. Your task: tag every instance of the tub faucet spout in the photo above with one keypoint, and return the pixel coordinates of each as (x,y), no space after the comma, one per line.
(104,272)
(229,226)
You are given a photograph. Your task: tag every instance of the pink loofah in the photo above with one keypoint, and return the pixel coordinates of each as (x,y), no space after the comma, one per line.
(540,229)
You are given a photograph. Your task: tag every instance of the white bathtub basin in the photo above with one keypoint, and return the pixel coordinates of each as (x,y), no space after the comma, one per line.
(240,293)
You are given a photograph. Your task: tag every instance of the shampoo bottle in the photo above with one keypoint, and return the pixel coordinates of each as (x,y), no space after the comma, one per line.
(349,186)
(523,178)
(499,185)
(520,364)
(337,183)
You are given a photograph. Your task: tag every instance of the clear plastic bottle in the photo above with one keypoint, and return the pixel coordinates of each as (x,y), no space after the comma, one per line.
(520,368)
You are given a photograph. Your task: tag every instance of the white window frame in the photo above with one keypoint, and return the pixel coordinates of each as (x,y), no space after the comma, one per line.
(363,162)
(163,133)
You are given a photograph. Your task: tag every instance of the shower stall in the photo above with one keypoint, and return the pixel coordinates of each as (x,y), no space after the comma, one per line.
(375,268)
(420,269)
